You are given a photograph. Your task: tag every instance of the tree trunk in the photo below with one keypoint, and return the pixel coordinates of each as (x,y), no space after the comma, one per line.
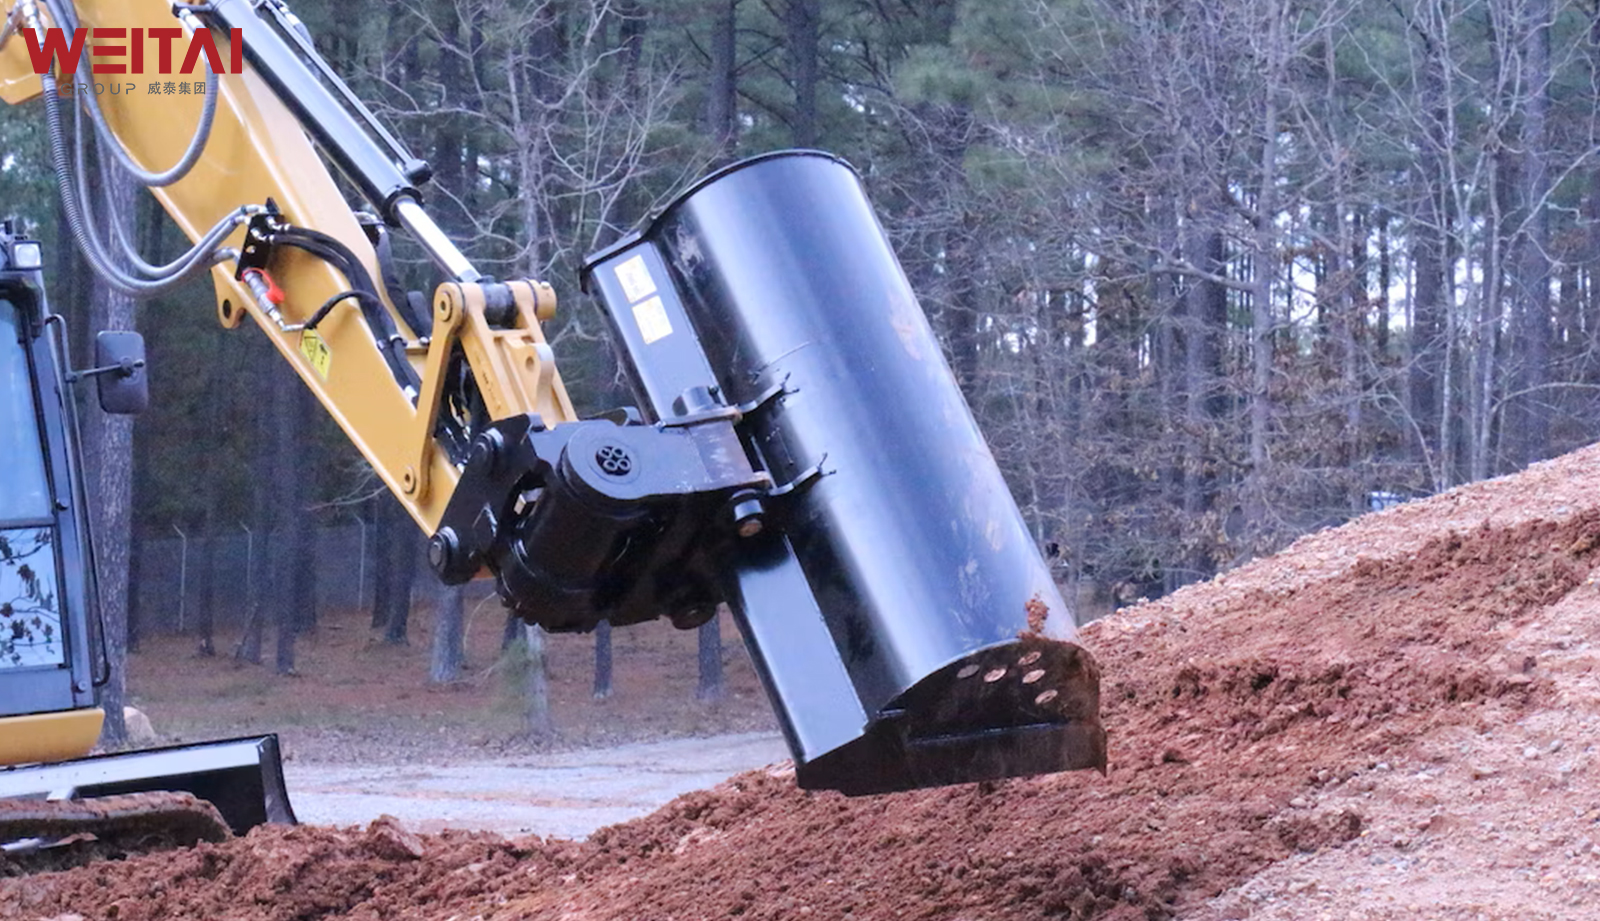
(722,89)
(1205,305)
(1385,279)
(602,660)
(1489,322)
(406,549)
(536,690)
(1262,329)
(284,615)
(395,552)
(1533,258)
(307,485)
(511,632)
(108,469)
(382,559)
(1263,323)
(1169,371)
(206,592)
(282,511)
(711,688)
(135,571)
(211,525)
(801,22)
(1353,311)
(1591,218)
(449,635)
(248,649)
(1429,228)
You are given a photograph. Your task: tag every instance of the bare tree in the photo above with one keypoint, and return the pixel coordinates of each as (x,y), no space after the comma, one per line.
(108,463)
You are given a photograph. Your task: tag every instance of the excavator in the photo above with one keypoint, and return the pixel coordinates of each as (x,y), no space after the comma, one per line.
(799,451)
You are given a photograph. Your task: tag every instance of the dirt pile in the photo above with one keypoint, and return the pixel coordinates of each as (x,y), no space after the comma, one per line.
(1394,719)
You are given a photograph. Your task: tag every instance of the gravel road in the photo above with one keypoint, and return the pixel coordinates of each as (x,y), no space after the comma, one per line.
(563,795)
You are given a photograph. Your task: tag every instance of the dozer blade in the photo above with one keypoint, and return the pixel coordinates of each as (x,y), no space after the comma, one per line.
(242,778)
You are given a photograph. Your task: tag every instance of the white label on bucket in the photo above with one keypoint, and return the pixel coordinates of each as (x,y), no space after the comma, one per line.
(652,319)
(634,276)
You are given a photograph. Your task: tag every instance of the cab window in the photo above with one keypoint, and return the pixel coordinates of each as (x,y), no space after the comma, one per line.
(30,604)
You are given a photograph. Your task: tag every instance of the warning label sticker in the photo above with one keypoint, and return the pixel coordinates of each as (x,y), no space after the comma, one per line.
(316,351)
(652,319)
(634,276)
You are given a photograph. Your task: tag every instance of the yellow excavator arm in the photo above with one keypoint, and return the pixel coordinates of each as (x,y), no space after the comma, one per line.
(258,152)
(800,450)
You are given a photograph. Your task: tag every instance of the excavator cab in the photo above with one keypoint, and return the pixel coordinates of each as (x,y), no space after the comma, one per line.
(51,661)
(46,666)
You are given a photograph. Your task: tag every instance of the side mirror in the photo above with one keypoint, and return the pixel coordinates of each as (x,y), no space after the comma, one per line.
(120,377)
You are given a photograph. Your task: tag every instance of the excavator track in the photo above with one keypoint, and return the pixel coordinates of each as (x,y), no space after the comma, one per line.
(67,832)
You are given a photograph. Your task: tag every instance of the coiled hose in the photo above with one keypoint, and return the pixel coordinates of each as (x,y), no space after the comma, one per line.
(145,279)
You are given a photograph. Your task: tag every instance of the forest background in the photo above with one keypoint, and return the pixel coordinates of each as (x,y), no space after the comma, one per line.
(1211,275)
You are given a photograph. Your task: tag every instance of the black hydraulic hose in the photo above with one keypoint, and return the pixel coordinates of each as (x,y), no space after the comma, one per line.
(390,342)
(74,203)
(75,197)
(420,321)
(330,303)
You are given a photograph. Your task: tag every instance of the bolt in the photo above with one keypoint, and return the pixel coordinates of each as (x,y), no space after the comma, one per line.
(747,517)
(487,449)
(692,617)
(442,550)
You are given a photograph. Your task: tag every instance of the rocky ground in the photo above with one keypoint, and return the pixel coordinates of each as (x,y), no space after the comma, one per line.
(1394,719)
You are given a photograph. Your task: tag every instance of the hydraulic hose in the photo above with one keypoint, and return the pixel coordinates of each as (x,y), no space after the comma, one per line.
(147,280)
(73,206)
(390,343)
(74,200)
(67,17)
(196,259)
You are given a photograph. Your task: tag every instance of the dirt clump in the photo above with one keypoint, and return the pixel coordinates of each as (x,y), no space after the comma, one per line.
(1393,719)
(1038,613)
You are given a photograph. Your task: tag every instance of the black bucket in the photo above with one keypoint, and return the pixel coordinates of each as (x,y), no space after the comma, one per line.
(906,627)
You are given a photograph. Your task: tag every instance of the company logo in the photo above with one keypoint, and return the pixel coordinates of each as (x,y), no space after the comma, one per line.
(57,50)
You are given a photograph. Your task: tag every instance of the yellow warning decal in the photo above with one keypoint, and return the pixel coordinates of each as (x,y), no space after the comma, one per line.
(316,351)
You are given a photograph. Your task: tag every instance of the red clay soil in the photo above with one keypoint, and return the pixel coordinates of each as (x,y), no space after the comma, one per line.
(1261,727)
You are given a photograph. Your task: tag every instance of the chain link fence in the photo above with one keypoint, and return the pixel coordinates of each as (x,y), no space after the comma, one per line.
(170,583)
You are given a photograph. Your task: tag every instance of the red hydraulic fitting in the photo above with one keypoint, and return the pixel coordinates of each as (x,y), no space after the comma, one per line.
(262,284)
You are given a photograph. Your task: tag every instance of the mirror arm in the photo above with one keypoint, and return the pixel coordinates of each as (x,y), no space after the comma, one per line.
(124,369)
